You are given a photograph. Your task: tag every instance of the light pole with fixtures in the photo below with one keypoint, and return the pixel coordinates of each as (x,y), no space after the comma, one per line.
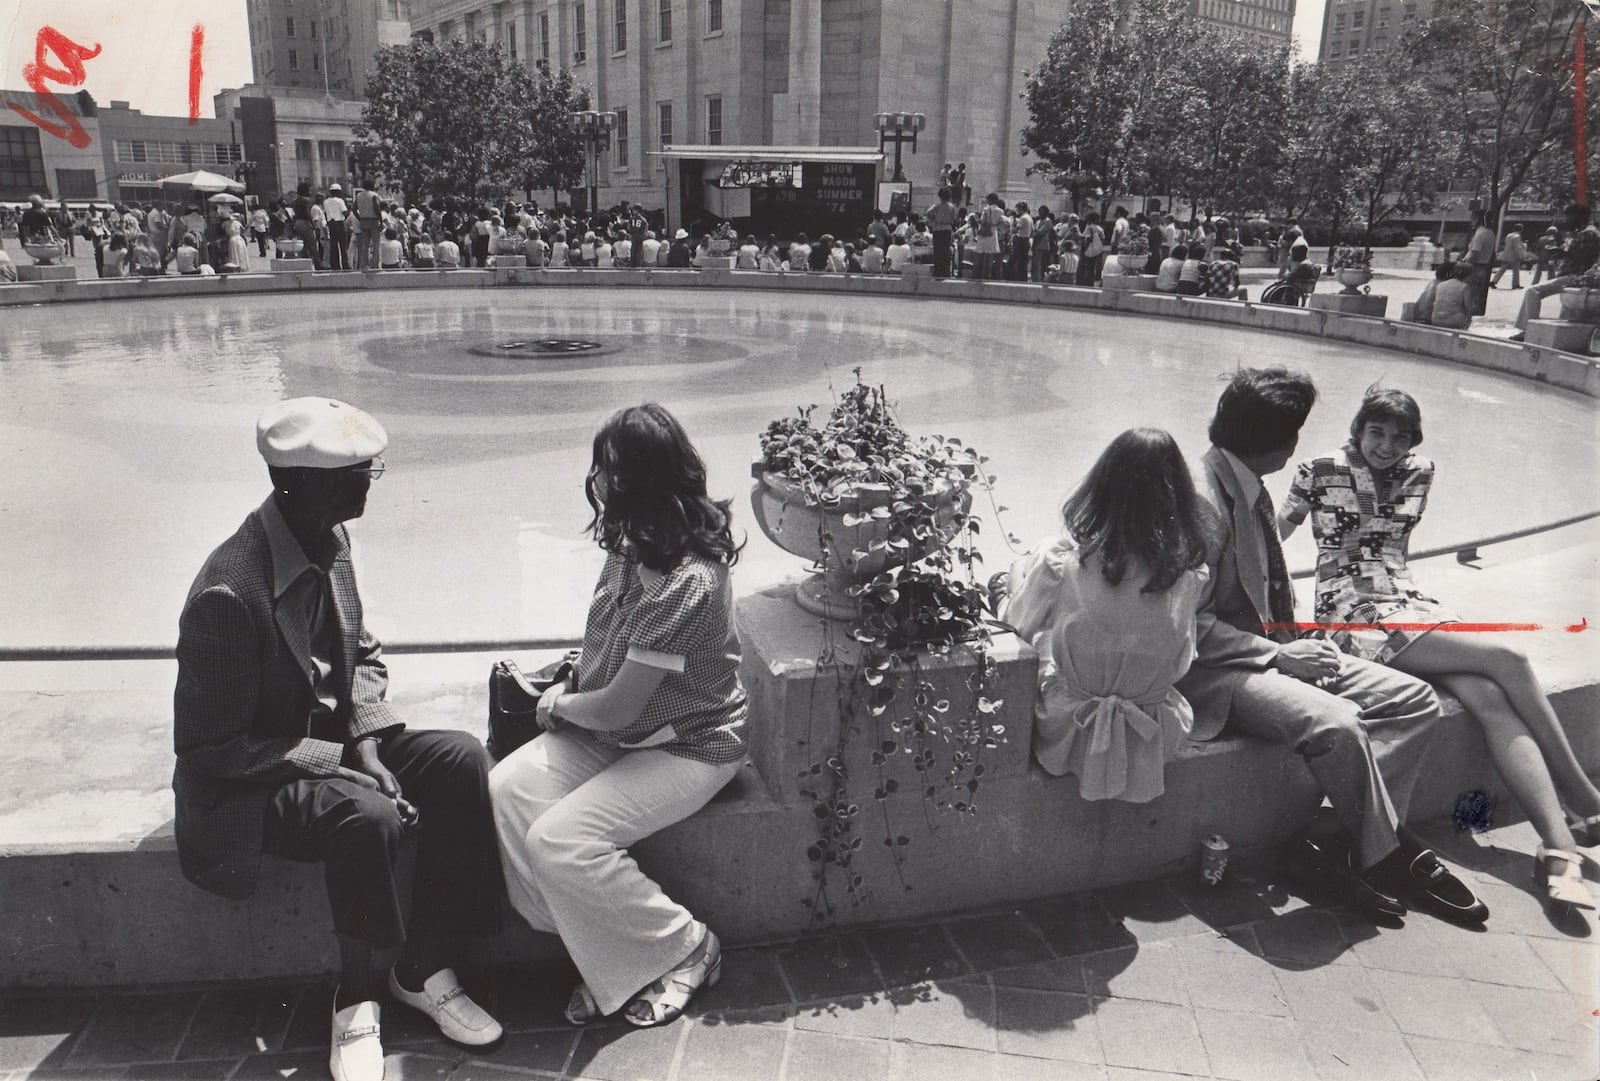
(595,127)
(898,128)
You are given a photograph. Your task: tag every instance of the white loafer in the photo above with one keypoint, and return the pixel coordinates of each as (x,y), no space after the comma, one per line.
(357,1052)
(443,999)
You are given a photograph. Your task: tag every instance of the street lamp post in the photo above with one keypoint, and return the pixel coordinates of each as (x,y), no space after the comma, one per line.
(595,127)
(898,128)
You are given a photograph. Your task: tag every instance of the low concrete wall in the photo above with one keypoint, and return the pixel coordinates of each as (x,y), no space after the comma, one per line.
(1569,371)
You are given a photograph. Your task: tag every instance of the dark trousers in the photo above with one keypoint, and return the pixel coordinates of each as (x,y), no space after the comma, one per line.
(942,248)
(338,245)
(355,833)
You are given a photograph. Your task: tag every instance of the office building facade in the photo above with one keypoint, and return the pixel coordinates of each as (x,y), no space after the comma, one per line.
(1353,27)
(1270,22)
(326,45)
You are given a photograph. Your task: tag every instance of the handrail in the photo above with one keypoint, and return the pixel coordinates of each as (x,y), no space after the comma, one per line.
(1467,551)
(1464,551)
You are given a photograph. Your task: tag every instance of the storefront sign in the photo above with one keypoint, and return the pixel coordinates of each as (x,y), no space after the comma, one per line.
(761,174)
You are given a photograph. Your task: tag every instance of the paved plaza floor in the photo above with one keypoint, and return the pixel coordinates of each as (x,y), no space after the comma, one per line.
(1166,979)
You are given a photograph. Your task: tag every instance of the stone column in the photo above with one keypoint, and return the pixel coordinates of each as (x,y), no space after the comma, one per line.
(797,115)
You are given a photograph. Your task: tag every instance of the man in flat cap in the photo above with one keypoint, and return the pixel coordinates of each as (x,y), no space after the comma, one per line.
(285,744)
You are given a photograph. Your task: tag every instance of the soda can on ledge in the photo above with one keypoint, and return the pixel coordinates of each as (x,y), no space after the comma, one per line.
(1213,859)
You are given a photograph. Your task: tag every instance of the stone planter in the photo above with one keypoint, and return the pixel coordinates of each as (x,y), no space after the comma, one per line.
(46,254)
(1580,305)
(1132,263)
(782,513)
(1352,278)
(290,249)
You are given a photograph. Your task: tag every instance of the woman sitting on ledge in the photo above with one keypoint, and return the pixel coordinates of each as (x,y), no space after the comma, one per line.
(1364,500)
(652,731)
(1110,608)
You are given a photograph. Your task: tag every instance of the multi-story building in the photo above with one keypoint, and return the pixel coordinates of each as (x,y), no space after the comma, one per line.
(35,160)
(1271,22)
(140,150)
(326,45)
(784,73)
(291,138)
(1353,27)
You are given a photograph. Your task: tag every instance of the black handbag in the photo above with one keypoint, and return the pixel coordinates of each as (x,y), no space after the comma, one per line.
(514,701)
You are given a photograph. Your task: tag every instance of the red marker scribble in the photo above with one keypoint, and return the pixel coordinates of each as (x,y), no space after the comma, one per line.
(197,41)
(39,74)
(1455,628)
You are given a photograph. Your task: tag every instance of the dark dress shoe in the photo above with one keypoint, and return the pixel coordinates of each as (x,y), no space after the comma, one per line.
(1327,871)
(1428,884)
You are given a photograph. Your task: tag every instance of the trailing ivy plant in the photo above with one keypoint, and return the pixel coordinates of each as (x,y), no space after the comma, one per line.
(924,746)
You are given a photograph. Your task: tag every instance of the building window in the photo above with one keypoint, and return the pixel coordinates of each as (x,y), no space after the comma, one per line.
(1338,23)
(294,60)
(580,34)
(619,25)
(664,122)
(620,130)
(76,183)
(664,21)
(290,21)
(1358,19)
(511,39)
(302,150)
(21,162)
(313,30)
(714,121)
(713,16)
(544,37)
(330,150)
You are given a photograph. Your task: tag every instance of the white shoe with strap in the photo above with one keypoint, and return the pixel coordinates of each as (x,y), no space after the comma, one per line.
(445,1001)
(357,1050)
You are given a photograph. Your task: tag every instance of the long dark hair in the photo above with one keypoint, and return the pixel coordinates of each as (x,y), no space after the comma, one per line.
(1140,502)
(656,504)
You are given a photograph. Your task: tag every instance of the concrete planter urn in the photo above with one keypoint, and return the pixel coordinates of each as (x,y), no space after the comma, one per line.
(858,522)
(510,244)
(1580,305)
(1132,262)
(290,249)
(48,253)
(1352,278)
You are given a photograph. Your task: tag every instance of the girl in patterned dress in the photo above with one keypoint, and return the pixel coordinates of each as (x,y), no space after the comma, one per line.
(651,730)
(1364,500)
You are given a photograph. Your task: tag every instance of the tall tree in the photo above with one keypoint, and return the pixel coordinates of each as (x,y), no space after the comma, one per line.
(549,148)
(463,118)
(1228,140)
(1503,69)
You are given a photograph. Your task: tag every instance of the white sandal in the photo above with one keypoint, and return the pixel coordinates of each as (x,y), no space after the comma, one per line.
(1562,884)
(581,1006)
(666,998)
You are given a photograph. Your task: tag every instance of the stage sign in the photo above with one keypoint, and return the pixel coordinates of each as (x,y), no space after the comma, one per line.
(761,174)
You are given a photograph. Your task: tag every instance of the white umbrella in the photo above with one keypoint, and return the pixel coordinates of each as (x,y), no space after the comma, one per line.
(224,197)
(201,180)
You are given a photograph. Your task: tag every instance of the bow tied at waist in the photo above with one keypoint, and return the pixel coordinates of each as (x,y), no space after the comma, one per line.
(1112,709)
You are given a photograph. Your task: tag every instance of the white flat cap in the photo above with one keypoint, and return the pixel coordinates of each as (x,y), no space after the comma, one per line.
(318,433)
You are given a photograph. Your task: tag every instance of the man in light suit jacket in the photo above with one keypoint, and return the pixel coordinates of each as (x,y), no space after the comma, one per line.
(285,744)
(1361,728)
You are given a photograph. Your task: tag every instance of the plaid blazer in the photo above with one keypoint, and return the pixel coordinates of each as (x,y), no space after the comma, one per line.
(242,709)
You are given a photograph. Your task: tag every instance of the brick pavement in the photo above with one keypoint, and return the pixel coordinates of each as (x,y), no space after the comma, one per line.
(1165,979)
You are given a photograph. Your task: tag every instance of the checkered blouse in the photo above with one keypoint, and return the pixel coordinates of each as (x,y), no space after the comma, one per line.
(682,623)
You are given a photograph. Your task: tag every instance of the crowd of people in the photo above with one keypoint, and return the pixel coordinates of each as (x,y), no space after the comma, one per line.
(1162,612)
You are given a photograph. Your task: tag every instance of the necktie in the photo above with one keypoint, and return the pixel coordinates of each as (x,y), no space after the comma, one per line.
(1280,593)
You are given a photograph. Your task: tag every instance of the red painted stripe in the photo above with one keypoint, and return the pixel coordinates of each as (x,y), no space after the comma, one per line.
(197,41)
(1454,628)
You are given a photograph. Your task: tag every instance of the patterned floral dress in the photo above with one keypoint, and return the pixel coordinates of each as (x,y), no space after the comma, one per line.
(1363,521)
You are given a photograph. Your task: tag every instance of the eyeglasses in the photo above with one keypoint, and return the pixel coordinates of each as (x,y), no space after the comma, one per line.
(373,471)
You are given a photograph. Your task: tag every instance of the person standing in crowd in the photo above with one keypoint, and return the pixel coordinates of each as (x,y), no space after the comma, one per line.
(1020,250)
(647,731)
(64,227)
(1360,728)
(1291,236)
(1094,250)
(1546,254)
(941,219)
(1480,258)
(681,255)
(1513,252)
(286,746)
(1120,229)
(338,213)
(986,245)
(1044,244)
(1581,251)
(368,227)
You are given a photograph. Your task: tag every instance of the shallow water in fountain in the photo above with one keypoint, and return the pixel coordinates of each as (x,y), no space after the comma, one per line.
(128,444)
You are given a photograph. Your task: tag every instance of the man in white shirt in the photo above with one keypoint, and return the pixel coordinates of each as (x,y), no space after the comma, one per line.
(649,248)
(337,211)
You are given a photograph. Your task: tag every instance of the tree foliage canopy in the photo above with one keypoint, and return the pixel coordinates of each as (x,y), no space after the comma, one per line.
(463,118)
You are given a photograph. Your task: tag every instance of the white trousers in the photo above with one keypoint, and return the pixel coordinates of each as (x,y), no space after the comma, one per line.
(565,810)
